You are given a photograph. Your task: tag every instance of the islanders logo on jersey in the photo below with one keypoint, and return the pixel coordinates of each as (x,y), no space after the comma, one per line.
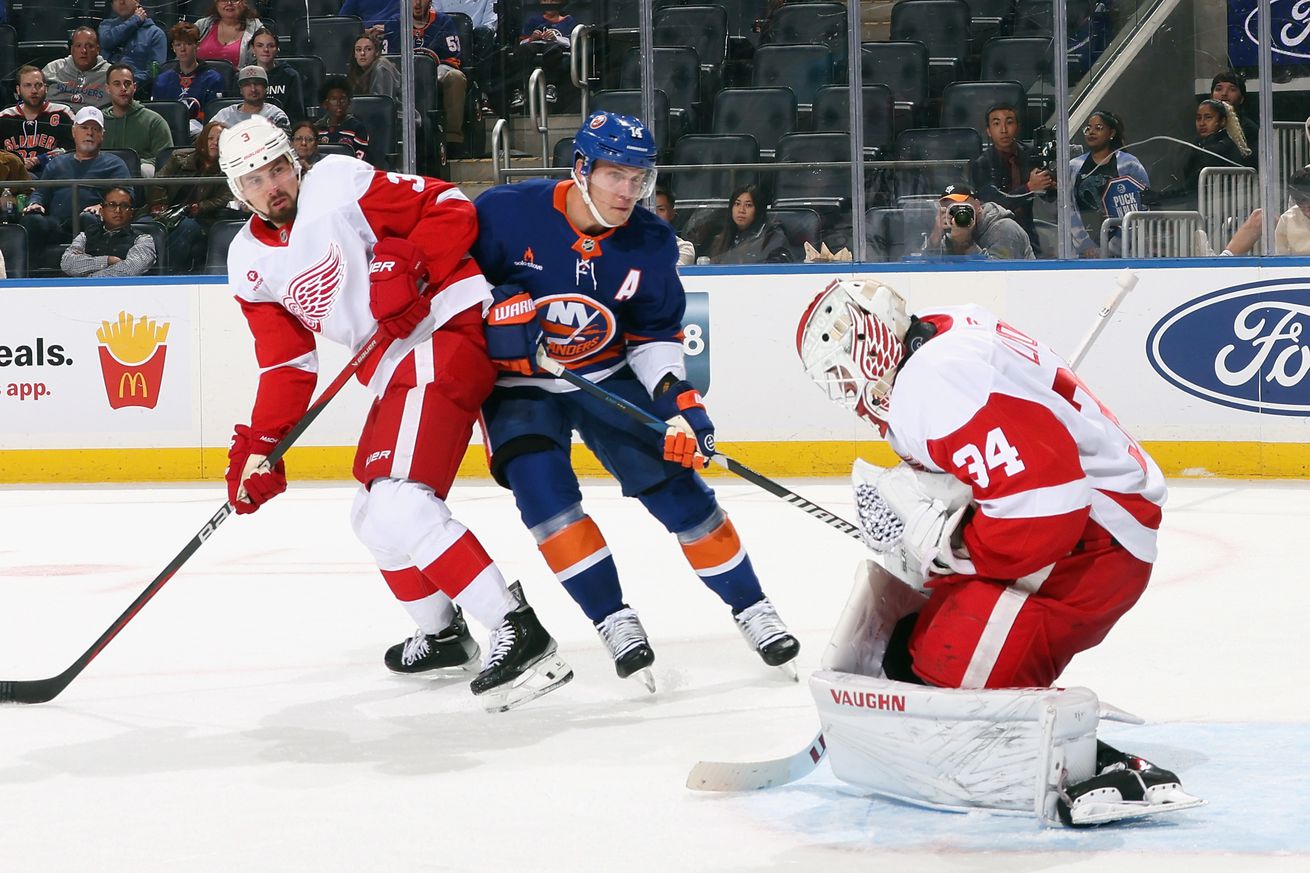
(575,326)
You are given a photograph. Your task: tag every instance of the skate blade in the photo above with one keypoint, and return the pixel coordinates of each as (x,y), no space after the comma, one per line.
(1104,813)
(789,670)
(541,677)
(646,677)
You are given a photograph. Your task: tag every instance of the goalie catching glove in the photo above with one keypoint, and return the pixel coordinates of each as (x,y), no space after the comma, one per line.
(914,511)
(395,287)
(689,440)
(249,487)
(513,330)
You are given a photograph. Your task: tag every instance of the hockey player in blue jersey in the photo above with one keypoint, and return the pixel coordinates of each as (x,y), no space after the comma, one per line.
(581,266)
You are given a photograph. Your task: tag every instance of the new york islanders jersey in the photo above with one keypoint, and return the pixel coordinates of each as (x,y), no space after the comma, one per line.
(51,132)
(1002,412)
(602,297)
(312,277)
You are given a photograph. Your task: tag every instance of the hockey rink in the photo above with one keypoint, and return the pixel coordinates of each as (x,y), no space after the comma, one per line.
(243,721)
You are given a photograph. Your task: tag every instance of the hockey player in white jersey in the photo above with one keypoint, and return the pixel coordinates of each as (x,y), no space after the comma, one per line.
(1022,509)
(344,250)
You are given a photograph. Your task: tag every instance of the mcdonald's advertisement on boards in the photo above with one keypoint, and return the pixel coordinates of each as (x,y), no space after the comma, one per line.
(112,362)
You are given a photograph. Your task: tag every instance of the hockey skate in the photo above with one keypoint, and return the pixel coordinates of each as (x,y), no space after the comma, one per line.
(521,661)
(628,645)
(450,647)
(1125,787)
(766,633)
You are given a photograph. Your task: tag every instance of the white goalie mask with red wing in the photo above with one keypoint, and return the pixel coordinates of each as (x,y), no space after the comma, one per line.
(851,339)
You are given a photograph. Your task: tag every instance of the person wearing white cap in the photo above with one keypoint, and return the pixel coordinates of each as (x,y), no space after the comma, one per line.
(252,81)
(53,223)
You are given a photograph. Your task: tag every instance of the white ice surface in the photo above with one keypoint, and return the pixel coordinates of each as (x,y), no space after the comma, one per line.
(243,720)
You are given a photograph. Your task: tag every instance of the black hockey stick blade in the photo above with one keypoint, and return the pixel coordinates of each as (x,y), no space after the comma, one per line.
(44,690)
(757,775)
(552,366)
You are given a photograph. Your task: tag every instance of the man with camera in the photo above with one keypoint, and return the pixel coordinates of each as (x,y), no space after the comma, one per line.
(1011,174)
(967,226)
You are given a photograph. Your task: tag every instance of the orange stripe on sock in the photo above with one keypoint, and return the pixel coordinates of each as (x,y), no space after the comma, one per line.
(715,549)
(572,545)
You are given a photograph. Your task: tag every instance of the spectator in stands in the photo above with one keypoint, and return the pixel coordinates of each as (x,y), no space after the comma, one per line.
(188,212)
(284,83)
(375,13)
(543,42)
(744,236)
(337,125)
(1291,234)
(35,129)
(4,19)
(190,80)
(967,226)
(369,72)
(12,169)
(1219,143)
(1230,87)
(252,82)
(130,36)
(226,32)
(1009,173)
(482,14)
(84,163)
(79,79)
(436,34)
(129,125)
(111,246)
(304,139)
(664,208)
(1107,183)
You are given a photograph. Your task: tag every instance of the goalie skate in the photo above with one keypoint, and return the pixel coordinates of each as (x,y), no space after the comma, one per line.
(628,645)
(766,633)
(1125,788)
(450,647)
(521,664)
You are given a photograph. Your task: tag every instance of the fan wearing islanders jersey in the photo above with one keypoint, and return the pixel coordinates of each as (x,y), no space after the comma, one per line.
(346,252)
(1028,512)
(581,266)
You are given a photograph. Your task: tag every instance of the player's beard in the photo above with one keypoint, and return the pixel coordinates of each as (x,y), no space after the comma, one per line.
(285,213)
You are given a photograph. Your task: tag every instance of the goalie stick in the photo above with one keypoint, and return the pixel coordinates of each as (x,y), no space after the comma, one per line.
(659,425)
(755,775)
(43,690)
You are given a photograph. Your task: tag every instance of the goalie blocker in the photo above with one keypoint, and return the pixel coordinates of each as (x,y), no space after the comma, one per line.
(1026,750)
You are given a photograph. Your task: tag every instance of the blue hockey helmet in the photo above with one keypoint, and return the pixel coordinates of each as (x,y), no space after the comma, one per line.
(619,139)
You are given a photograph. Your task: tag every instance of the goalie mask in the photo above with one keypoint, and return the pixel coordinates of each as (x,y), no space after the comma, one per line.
(851,340)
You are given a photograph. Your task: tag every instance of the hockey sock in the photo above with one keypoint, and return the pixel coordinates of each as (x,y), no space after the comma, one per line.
(576,551)
(431,610)
(720,560)
(464,573)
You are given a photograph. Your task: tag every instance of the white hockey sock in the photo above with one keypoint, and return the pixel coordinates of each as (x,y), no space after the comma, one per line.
(433,613)
(487,598)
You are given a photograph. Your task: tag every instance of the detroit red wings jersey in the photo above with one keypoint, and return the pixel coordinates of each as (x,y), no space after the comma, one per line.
(1005,414)
(312,277)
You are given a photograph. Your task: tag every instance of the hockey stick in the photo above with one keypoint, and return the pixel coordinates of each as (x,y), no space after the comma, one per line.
(43,690)
(754,775)
(1127,281)
(659,425)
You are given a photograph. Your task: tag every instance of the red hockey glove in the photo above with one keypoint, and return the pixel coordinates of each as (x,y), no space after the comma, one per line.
(513,330)
(249,488)
(689,441)
(395,298)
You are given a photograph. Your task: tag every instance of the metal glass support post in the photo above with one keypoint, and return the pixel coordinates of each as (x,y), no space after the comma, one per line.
(1268,146)
(646,39)
(855,78)
(408,135)
(1060,66)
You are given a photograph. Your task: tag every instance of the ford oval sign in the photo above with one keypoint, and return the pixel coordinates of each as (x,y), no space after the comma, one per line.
(1246,347)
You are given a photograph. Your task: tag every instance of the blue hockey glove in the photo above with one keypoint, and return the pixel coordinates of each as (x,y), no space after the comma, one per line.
(689,441)
(513,330)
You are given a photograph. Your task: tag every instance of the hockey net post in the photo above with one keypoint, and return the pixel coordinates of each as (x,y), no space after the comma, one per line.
(44,690)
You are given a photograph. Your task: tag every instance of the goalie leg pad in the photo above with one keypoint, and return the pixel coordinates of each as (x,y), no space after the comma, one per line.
(878,601)
(1007,750)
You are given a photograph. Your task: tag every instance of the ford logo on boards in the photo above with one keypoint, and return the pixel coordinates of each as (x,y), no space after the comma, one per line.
(1247,347)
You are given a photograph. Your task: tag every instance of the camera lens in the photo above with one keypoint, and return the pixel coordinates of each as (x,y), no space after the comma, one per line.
(961,214)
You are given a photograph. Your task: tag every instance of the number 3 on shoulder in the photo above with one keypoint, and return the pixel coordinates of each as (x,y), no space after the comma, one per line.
(996,454)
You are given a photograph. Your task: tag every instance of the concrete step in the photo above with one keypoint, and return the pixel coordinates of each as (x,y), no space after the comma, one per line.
(475,170)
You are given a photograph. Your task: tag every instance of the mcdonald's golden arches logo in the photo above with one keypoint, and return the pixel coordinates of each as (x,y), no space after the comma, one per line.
(132,352)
